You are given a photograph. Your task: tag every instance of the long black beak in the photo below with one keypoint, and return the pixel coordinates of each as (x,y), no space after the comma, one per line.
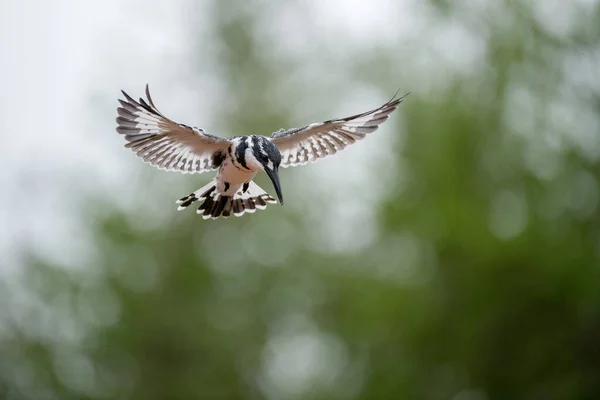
(274,175)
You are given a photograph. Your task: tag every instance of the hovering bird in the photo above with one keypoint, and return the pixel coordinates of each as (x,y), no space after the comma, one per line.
(172,146)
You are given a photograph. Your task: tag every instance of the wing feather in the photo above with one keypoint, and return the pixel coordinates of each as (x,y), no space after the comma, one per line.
(319,140)
(164,143)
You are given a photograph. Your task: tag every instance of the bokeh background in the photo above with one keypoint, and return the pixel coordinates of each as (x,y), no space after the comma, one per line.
(454,254)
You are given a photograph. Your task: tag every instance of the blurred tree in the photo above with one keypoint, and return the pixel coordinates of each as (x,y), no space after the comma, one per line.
(480,282)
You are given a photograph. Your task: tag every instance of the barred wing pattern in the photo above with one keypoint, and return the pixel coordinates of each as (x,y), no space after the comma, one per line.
(164,143)
(319,140)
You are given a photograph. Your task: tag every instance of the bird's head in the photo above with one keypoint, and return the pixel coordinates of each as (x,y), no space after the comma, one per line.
(267,157)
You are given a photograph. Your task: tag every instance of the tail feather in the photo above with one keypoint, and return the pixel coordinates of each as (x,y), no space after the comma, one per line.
(215,205)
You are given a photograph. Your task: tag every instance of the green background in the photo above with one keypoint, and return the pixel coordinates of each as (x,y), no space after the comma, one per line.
(474,274)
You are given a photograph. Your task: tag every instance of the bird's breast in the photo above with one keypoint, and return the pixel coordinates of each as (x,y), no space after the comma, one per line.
(234,175)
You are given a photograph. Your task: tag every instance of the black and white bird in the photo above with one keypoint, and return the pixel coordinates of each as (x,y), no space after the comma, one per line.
(172,146)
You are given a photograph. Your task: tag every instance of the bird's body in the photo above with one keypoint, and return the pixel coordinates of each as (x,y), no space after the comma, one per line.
(177,147)
(232,172)
(232,190)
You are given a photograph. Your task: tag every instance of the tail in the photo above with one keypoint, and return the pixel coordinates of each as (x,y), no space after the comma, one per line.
(248,199)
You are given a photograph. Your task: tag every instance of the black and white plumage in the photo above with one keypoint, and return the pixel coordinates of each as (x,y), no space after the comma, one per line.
(176,147)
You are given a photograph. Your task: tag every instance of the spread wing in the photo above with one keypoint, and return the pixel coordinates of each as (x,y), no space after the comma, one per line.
(164,143)
(319,140)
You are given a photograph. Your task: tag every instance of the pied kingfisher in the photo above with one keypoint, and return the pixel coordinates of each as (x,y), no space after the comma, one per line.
(177,147)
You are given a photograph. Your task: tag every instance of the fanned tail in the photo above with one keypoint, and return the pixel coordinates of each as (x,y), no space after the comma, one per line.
(216,205)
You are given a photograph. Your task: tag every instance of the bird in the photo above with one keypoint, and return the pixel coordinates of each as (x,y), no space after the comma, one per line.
(172,146)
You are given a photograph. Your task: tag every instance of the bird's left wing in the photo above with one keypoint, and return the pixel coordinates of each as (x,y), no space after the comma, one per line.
(165,143)
(318,140)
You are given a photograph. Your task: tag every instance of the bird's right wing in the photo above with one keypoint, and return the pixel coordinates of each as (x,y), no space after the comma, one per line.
(164,143)
(319,140)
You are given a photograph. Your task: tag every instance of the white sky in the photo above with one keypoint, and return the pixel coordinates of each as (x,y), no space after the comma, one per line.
(65,59)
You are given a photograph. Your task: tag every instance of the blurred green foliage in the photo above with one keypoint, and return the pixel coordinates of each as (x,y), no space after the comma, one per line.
(482,280)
